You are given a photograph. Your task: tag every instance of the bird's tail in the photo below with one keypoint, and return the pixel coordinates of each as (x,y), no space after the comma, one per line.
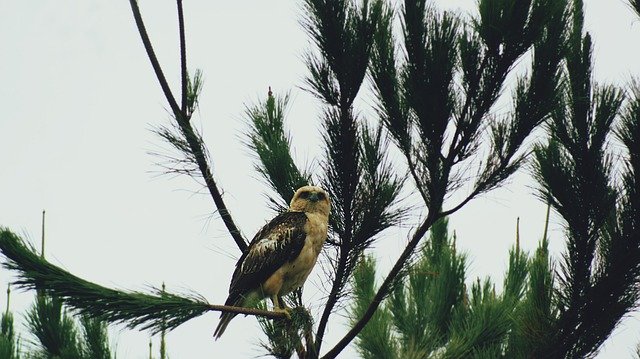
(225,317)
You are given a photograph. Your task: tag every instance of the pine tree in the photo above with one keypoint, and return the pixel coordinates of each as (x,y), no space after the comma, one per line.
(53,333)
(436,86)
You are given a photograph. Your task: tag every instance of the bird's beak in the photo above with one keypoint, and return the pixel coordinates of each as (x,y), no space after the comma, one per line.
(313,197)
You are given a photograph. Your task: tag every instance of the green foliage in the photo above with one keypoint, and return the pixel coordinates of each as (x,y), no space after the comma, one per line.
(600,269)
(272,145)
(9,344)
(185,143)
(58,335)
(56,332)
(363,188)
(343,32)
(434,290)
(156,311)
(194,87)
(373,341)
(420,99)
(436,101)
(482,326)
(534,315)
(95,338)
(284,337)
(431,313)
(162,350)
(360,181)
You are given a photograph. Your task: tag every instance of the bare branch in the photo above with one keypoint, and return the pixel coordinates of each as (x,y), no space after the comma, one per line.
(478,188)
(333,297)
(144,36)
(183,57)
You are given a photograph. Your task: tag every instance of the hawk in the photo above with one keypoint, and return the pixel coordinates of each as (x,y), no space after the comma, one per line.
(281,255)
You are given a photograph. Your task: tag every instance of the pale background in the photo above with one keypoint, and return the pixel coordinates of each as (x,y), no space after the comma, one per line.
(78,98)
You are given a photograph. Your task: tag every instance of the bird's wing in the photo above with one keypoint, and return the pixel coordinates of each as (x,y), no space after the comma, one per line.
(278,242)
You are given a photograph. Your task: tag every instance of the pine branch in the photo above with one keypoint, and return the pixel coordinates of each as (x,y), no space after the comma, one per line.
(615,290)
(534,98)
(284,337)
(535,316)
(375,340)
(9,345)
(601,268)
(430,39)
(483,328)
(374,209)
(392,108)
(269,140)
(425,303)
(56,331)
(153,58)
(153,311)
(95,338)
(383,291)
(182,117)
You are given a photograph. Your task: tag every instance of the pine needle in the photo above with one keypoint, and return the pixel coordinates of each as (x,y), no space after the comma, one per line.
(154,311)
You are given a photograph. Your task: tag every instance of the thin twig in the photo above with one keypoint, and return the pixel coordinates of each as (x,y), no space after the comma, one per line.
(458,140)
(482,186)
(201,160)
(331,302)
(414,173)
(471,196)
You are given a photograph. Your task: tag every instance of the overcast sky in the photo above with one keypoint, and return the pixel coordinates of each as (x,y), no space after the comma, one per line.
(79,98)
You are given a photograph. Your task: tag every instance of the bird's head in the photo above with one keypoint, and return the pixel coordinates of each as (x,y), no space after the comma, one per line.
(311,199)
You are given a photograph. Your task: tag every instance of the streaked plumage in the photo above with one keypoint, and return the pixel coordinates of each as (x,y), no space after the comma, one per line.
(282,253)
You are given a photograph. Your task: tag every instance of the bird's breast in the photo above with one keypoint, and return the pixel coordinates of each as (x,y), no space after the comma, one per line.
(294,273)
(299,269)
(316,228)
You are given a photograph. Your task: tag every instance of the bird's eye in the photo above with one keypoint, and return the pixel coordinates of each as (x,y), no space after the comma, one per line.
(304,194)
(321,196)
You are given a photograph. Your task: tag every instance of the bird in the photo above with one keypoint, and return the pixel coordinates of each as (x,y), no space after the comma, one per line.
(281,255)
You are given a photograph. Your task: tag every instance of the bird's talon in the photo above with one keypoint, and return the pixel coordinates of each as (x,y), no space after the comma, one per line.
(286,311)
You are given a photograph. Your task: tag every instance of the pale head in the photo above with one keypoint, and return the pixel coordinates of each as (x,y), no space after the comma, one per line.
(311,199)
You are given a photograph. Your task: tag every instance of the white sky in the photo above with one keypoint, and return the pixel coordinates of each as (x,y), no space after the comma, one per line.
(78,98)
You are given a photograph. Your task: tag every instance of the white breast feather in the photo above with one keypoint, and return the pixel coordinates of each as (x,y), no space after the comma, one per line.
(267,243)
